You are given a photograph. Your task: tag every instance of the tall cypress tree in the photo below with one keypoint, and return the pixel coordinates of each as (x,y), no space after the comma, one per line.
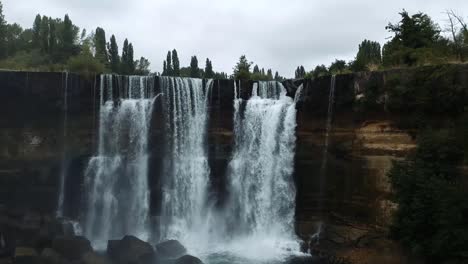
(68,37)
(164,73)
(269,75)
(100,45)
(113,54)
(194,71)
(169,69)
(175,64)
(45,31)
(130,61)
(36,32)
(124,59)
(209,69)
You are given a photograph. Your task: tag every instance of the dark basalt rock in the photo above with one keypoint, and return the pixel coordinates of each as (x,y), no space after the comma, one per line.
(187,259)
(170,249)
(129,250)
(72,248)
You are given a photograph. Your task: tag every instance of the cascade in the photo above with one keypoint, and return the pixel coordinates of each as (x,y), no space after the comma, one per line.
(116,179)
(63,166)
(186,168)
(261,208)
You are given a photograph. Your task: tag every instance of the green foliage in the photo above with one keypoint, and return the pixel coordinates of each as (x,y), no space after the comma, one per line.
(175,63)
(142,66)
(427,90)
(368,55)
(114,58)
(85,64)
(432,203)
(338,67)
(127,66)
(300,72)
(209,73)
(3,33)
(242,69)
(100,45)
(194,70)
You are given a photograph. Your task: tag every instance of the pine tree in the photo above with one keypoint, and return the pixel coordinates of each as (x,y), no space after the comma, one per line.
(36,32)
(175,64)
(209,69)
(100,45)
(277,77)
(242,68)
(194,70)
(164,73)
(113,54)
(256,69)
(52,36)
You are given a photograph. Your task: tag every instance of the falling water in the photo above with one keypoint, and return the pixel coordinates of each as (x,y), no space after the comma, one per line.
(186,164)
(63,169)
(116,179)
(299,92)
(261,211)
(323,169)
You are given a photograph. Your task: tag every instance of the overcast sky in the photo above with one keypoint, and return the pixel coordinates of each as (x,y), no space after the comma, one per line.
(277,34)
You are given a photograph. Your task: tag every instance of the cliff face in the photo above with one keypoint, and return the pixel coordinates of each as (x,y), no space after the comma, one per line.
(363,142)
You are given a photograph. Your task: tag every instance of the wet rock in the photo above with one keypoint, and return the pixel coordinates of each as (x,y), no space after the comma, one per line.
(72,248)
(129,250)
(170,249)
(187,259)
(50,256)
(94,258)
(24,255)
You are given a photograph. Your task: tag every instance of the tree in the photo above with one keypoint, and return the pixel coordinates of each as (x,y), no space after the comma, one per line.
(209,73)
(124,59)
(242,69)
(142,66)
(369,54)
(416,41)
(69,35)
(459,35)
(36,37)
(13,38)
(256,70)
(164,73)
(175,63)
(130,62)
(319,71)
(278,77)
(44,31)
(339,66)
(100,46)
(300,72)
(269,75)
(194,70)
(113,54)
(169,68)
(430,195)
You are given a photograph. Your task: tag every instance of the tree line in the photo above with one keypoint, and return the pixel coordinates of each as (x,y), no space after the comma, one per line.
(417,40)
(55,44)
(171,67)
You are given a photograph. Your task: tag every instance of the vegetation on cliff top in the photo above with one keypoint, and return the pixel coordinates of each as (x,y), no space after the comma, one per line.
(416,41)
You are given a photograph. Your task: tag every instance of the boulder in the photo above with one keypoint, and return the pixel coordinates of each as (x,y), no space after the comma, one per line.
(94,258)
(50,256)
(25,255)
(129,250)
(73,247)
(170,249)
(187,259)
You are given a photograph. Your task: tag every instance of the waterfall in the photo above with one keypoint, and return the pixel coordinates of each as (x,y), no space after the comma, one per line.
(186,168)
(116,179)
(299,92)
(328,127)
(63,167)
(262,191)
